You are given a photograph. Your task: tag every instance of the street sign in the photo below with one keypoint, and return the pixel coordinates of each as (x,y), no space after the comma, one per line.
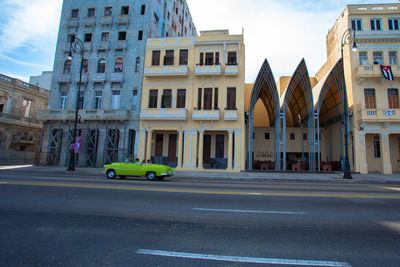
(389,112)
(78,144)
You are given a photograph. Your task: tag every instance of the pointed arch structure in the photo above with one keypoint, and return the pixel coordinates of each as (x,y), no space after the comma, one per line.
(264,89)
(297,105)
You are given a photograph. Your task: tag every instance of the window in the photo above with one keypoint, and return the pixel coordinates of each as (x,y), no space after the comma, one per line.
(74,13)
(369,97)
(116,99)
(124,10)
(266,136)
(134,98)
(392,57)
(201,59)
(232,60)
(375,24)
(356,24)
(85,66)
(81,99)
(199,96)
(153,98)
(71,38)
(63,100)
(207,99)
(143,10)
(137,66)
(292,136)
(219,146)
(363,58)
(140,35)
(209,58)
(101,66)
(377,147)
(217,58)
(181,99)
(304,136)
(183,57)
(156,19)
(166,98)
(121,36)
(393,98)
(169,58)
(98,100)
(27,105)
(378,58)
(88,37)
(231,99)
(90,12)
(107,11)
(67,67)
(393,24)
(216,98)
(155,61)
(105,36)
(119,65)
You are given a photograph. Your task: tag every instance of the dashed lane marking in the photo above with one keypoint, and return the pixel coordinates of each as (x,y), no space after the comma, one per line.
(253,211)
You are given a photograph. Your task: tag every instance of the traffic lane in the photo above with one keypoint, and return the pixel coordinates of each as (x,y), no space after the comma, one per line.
(219,209)
(73,239)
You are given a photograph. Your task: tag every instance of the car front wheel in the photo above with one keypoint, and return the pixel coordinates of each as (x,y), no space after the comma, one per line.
(111,174)
(151,176)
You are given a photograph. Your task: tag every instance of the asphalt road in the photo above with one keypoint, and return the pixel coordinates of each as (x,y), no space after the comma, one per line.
(70,220)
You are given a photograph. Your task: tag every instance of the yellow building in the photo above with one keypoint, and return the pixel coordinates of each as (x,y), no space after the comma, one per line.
(192,106)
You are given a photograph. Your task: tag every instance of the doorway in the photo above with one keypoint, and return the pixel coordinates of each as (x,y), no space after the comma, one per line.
(172,148)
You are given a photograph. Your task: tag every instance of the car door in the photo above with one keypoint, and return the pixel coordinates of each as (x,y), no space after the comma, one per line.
(130,169)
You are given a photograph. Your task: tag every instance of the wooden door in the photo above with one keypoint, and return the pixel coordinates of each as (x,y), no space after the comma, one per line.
(207,149)
(159,145)
(172,148)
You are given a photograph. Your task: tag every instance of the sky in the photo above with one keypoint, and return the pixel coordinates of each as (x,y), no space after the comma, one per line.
(284,32)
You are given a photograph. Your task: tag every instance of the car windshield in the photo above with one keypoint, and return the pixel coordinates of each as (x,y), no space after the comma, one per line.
(129,160)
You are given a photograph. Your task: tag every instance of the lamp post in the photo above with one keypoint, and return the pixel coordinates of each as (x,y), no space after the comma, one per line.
(348,36)
(77,47)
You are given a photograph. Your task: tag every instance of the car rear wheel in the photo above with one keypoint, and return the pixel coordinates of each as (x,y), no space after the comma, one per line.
(151,176)
(111,174)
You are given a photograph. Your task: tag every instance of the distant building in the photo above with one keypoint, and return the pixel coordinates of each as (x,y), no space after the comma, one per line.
(43,81)
(19,129)
(114,35)
(192,112)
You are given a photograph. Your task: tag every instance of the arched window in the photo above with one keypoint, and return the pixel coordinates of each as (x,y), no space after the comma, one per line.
(137,67)
(85,66)
(119,65)
(101,66)
(67,67)
(377,147)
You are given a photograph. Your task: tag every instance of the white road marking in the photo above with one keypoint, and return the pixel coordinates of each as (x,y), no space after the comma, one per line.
(3,182)
(392,188)
(14,167)
(242,259)
(252,211)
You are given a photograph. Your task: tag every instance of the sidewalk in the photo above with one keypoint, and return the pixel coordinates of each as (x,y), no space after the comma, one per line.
(218,175)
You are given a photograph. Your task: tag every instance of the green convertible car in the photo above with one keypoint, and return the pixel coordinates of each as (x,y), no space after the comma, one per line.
(130,168)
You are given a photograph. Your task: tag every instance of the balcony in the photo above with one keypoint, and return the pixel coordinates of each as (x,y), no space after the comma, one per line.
(99,78)
(65,78)
(230,115)
(103,45)
(117,77)
(9,118)
(72,23)
(104,115)
(123,20)
(203,115)
(160,71)
(106,20)
(231,70)
(379,115)
(87,46)
(120,45)
(89,22)
(373,71)
(163,114)
(206,70)
(55,115)
(85,78)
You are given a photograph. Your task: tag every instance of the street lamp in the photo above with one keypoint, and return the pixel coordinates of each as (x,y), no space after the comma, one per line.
(348,36)
(77,47)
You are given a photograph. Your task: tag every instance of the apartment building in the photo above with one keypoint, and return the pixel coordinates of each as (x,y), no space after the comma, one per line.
(114,35)
(20,132)
(192,112)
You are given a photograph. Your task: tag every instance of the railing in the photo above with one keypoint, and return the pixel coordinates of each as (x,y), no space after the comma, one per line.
(17,118)
(17,82)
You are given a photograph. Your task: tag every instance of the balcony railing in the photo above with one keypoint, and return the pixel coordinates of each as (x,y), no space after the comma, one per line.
(232,70)
(99,78)
(106,20)
(117,77)
(85,115)
(379,115)
(163,114)
(230,114)
(374,71)
(13,117)
(206,115)
(72,23)
(123,20)
(158,71)
(89,22)
(208,69)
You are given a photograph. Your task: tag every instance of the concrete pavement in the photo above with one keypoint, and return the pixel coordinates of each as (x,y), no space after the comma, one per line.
(217,175)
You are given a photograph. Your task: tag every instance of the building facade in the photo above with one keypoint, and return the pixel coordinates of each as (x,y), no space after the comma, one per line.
(20,132)
(192,112)
(114,35)
(43,80)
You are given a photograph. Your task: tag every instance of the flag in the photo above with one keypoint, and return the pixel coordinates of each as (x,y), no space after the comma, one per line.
(387,72)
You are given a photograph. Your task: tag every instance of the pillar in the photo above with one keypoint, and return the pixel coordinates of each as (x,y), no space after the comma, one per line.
(230,149)
(386,161)
(362,154)
(201,146)
(180,147)
(148,147)
(237,163)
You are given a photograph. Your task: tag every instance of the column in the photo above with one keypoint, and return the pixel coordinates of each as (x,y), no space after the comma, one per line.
(387,165)
(201,148)
(141,143)
(180,147)
(148,148)
(230,149)
(362,154)
(237,163)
